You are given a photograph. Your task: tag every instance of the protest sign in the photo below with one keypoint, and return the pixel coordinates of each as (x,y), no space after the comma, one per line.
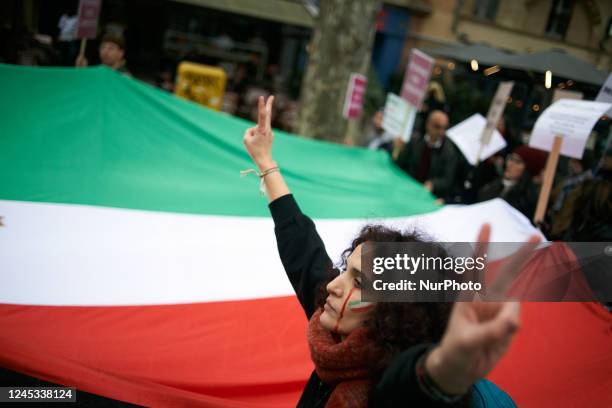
(395,115)
(467,135)
(563,128)
(570,119)
(201,84)
(605,93)
(353,101)
(496,110)
(87,25)
(416,77)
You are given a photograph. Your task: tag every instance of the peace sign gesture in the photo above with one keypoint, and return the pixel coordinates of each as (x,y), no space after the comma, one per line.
(258,139)
(479,333)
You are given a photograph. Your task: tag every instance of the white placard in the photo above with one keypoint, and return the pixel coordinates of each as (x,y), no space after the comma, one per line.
(407,132)
(605,93)
(466,136)
(571,119)
(396,115)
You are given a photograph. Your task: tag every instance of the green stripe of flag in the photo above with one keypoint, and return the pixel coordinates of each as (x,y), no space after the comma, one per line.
(95,137)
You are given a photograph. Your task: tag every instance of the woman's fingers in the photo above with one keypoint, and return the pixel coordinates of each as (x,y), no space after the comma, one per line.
(261,121)
(269,103)
(477,336)
(499,329)
(512,268)
(512,311)
(264,117)
(248,134)
(482,247)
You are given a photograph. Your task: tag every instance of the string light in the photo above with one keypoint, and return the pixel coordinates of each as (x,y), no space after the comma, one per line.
(548,79)
(474,65)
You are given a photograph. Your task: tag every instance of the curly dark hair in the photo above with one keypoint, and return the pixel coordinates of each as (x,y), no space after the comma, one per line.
(397,326)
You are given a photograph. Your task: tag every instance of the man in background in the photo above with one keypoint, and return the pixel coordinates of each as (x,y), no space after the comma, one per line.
(432,159)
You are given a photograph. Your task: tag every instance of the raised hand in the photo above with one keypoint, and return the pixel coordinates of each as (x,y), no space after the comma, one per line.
(81,61)
(479,333)
(258,139)
(258,142)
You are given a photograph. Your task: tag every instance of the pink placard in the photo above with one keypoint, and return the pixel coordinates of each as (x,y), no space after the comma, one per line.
(89,10)
(416,77)
(353,102)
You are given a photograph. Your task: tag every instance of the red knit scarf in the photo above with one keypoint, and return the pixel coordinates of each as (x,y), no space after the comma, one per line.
(343,363)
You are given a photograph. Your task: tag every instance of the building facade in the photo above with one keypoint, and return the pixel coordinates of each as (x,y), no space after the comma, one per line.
(579,27)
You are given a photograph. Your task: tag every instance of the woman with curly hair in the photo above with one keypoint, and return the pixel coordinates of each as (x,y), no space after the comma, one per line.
(380,354)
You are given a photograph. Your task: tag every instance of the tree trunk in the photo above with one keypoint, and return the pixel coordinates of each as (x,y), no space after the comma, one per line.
(341,44)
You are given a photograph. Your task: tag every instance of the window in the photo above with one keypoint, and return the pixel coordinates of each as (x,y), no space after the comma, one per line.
(485,9)
(559,18)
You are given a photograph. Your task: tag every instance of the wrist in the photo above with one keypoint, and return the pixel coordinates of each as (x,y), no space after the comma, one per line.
(447,379)
(265,164)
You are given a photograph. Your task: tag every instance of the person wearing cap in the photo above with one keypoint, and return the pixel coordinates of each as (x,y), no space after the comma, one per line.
(516,185)
(112,54)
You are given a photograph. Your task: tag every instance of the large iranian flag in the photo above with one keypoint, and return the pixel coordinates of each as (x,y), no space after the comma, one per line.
(136,264)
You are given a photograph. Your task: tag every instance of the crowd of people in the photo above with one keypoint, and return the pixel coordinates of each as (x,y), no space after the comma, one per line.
(244,81)
(580,205)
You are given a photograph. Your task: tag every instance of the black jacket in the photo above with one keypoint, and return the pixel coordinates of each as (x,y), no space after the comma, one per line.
(523,196)
(307,264)
(443,168)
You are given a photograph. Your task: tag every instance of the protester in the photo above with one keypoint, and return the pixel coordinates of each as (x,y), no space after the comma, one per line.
(592,216)
(379,354)
(435,99)
(165,80)
(378,138)
(433,159)
(516,186)
(112,54)
(591,219)
(563,197)
(487,170)
(67,42)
